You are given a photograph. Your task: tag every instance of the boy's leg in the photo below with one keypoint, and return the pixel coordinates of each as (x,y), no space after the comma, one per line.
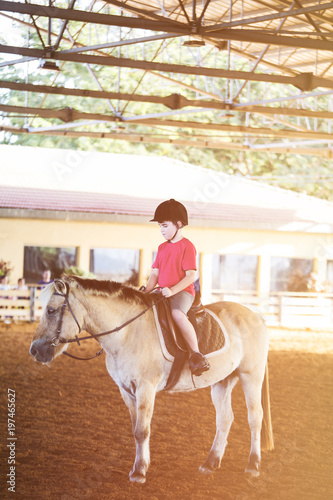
(186,328)
(180,304)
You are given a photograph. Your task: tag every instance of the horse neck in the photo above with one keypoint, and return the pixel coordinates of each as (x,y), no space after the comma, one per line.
(127,347)
(106,313)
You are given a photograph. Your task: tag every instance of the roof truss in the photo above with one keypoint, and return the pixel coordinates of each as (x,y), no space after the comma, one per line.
(243,86)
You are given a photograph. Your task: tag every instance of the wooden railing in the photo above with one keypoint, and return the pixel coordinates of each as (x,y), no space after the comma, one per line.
(283,309)
(287,309)
(20,305)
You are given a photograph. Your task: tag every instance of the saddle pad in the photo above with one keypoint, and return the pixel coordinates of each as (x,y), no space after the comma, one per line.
(210,332)
(212,335)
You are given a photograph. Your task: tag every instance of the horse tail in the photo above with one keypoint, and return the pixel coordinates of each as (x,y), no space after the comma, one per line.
(267,440)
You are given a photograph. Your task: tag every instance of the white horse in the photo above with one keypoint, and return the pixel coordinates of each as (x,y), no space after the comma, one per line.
(135,361)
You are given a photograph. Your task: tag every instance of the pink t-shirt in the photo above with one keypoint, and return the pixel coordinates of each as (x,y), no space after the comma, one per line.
(172,260)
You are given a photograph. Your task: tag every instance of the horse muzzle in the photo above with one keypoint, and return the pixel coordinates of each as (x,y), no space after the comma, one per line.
(42,350)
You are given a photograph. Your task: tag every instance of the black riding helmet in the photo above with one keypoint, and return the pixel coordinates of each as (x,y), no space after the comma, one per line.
(171,210)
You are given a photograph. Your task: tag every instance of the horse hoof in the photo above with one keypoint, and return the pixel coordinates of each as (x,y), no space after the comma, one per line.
(136,477)
(253,465)
(252,472)
(203,469)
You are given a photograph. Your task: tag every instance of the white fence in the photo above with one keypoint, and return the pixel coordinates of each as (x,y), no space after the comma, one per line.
(287,309)
(20,305)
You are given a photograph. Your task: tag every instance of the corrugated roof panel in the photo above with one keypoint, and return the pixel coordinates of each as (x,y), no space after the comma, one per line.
(71,201)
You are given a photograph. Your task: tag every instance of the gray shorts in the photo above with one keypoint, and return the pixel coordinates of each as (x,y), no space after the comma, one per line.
(182,301)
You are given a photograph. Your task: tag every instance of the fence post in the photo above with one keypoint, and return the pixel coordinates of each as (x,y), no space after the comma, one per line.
(280,309)
(32,304)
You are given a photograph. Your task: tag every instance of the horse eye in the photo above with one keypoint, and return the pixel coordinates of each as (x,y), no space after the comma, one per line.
(50,311)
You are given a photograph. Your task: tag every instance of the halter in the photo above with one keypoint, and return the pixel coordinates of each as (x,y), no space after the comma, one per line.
(62,289)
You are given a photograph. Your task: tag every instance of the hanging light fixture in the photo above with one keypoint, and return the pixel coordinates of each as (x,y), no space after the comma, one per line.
(194,43)
(48,65)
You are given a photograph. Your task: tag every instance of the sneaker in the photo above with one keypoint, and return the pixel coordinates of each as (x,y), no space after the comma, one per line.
(198,364)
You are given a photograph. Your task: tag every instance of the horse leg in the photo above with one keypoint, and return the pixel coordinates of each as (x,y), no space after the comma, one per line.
(130,402)
(252,390)
(145,399)
(221,397)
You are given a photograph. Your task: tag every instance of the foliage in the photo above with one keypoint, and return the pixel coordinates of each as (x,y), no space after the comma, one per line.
(5,268)
(304,174)
(77,271)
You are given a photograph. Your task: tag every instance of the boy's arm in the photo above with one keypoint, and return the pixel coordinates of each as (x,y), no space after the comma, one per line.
(184,283)
(153,280)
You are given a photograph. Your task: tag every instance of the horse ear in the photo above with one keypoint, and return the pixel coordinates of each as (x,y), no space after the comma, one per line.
(61,287)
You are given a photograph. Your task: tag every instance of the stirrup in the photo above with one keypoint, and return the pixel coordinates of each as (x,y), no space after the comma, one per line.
(198,364)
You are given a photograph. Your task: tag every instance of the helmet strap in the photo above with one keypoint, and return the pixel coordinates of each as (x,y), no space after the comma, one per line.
(170,240)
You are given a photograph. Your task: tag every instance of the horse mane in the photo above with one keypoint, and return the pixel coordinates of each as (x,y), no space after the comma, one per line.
(107,288)
(46,294)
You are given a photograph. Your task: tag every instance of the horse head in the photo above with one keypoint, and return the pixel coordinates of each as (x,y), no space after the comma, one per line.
(59,322)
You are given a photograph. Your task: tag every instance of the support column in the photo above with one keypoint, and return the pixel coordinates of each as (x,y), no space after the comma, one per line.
(206,277)
(141,268)
(264,275)
(146,260)
(83,257)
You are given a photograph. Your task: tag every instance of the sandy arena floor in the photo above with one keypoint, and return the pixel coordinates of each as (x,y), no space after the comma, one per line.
(74,438)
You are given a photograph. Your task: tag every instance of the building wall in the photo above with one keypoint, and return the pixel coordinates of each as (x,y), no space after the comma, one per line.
(17,233)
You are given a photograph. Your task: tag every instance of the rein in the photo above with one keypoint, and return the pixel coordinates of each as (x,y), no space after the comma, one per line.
(57,340)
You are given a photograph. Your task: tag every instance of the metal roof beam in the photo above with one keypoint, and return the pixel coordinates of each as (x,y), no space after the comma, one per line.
(268,17)
(66,114)
(167,25)
(260,131)
(173,101)
(323,152)
(128,137)
(69,115)
(284,111)
(63,27)
(244,35)
(12,62)
(305,81)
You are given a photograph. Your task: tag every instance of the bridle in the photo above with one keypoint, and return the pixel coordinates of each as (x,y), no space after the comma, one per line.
(62,289)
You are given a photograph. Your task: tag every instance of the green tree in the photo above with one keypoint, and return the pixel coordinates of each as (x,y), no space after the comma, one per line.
(306,174)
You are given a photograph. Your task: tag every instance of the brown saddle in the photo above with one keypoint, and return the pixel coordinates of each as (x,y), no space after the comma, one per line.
(208,328)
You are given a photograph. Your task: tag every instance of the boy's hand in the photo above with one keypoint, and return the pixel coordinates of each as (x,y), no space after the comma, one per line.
(166,292)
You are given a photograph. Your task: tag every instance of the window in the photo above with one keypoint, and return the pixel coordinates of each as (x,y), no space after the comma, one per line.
(234,272)
(37,259)
(289,274)
(117,264)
